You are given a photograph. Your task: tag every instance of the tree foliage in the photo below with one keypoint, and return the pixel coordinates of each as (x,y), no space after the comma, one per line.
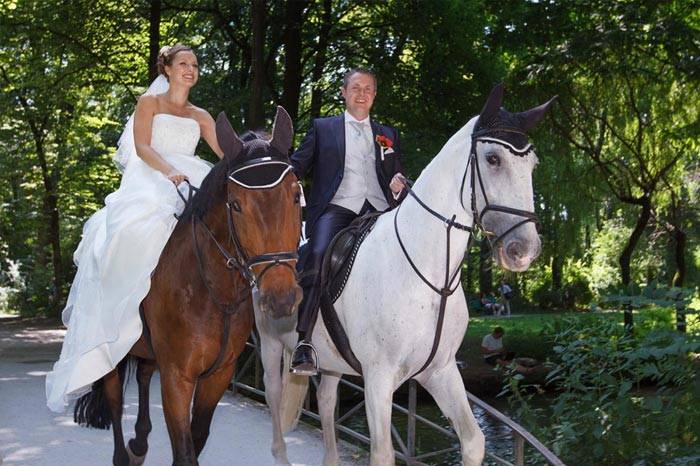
(618,153)
(612,384)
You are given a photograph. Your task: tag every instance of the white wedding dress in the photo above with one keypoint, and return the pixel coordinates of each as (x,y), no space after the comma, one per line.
(120,248)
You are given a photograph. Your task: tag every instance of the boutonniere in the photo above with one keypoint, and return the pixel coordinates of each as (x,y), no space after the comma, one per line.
(385,145)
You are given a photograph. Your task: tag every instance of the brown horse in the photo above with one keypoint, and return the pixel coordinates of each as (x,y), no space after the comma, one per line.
(238,233)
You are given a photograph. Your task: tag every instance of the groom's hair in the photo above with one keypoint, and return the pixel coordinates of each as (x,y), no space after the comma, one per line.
(360,70)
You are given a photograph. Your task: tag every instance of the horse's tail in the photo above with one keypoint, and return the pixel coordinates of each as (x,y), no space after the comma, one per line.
(92,409)
(294,388)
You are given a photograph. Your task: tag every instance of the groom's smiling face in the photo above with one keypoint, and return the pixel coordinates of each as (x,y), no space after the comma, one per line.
(359,95)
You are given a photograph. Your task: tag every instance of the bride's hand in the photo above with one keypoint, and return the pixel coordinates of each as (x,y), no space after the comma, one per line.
(177,177)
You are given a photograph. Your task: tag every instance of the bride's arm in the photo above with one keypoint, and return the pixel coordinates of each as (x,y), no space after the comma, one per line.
(143,127)
(208,128)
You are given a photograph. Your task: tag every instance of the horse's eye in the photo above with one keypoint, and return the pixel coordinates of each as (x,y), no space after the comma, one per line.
(235,205)
(297,198)
(493,159)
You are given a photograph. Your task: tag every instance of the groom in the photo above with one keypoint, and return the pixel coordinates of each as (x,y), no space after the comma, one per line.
(356,170)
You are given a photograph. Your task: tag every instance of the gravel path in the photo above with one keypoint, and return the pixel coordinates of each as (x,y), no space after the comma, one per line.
(32,435)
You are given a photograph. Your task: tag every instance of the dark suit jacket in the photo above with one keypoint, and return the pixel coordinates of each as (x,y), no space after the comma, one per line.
(323,152)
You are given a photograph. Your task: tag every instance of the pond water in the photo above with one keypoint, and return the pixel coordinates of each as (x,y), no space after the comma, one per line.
(430,440)
(427,438)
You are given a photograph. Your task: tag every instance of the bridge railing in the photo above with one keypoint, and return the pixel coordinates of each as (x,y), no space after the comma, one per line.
(248,379)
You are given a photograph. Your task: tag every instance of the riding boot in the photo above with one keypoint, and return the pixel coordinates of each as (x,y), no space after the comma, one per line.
(304,359)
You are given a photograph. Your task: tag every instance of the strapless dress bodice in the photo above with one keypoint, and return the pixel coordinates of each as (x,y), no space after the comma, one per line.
(174,134)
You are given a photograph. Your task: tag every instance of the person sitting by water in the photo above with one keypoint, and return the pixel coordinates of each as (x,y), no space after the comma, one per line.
(491,304)
(493,350)
(495,353)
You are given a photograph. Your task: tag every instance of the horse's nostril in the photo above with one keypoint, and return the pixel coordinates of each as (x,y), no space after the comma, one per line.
(514,250)
(280,305)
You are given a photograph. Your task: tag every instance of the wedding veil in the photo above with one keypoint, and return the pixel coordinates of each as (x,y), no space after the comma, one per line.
(126,147)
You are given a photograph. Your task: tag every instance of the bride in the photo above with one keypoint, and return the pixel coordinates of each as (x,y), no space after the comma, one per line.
(122,242)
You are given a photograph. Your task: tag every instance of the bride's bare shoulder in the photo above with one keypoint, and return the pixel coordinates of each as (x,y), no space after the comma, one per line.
(202,116)
(147,102)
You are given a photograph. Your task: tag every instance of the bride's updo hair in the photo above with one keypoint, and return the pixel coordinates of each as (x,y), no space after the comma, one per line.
(167,54)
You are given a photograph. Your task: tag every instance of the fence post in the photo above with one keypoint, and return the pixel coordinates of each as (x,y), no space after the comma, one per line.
(518,450)
(411,422)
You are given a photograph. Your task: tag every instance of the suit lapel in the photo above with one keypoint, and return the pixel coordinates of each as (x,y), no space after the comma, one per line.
(375,133)
(339,131)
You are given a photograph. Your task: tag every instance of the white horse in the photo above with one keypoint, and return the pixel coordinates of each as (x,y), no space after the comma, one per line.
(405,288)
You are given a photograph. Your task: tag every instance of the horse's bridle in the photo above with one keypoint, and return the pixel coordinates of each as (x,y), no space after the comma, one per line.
(241,261)
(486,135)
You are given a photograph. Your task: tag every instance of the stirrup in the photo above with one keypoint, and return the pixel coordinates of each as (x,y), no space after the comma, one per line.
(305,369)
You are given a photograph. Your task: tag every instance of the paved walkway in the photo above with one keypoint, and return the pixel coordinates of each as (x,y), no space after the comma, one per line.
(32,435)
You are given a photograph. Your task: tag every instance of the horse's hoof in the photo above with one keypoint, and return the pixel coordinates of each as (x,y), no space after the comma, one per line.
(133,459)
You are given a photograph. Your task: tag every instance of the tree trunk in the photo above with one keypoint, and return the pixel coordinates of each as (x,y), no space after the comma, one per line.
(53,232)
(320,60)
(255,112)
(468,274)
(557,273)
(154,39)
(626,256)
(485,270)
(681,239)
(293,69)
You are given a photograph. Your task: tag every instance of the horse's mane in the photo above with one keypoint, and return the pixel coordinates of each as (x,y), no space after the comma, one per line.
(214,184)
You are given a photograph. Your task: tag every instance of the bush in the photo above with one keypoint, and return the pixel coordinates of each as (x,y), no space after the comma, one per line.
(12,287)
(618,394)
(577,291)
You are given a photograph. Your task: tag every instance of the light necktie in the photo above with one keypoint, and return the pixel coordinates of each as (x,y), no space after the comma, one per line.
(361,138)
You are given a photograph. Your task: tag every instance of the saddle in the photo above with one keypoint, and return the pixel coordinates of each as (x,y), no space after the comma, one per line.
(341,253)
(335,271)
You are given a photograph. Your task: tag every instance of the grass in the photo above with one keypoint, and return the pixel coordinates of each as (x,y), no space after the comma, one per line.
(527,335)
(532,334)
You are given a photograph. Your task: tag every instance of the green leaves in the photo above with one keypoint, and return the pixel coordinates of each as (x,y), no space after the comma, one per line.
(619,393)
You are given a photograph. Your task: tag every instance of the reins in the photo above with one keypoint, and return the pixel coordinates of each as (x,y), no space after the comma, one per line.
(475,229)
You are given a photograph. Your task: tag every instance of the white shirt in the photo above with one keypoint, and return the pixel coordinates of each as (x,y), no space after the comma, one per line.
(360,181)
(491,343)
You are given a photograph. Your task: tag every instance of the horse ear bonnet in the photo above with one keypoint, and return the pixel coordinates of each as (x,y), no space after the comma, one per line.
(282,131)
(227,138)
(493,115)
(262,165)
(257,163)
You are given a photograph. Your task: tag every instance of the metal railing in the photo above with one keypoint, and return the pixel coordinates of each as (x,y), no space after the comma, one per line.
(248,379)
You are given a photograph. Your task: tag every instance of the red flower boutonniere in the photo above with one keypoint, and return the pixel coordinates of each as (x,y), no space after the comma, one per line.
(385,145)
